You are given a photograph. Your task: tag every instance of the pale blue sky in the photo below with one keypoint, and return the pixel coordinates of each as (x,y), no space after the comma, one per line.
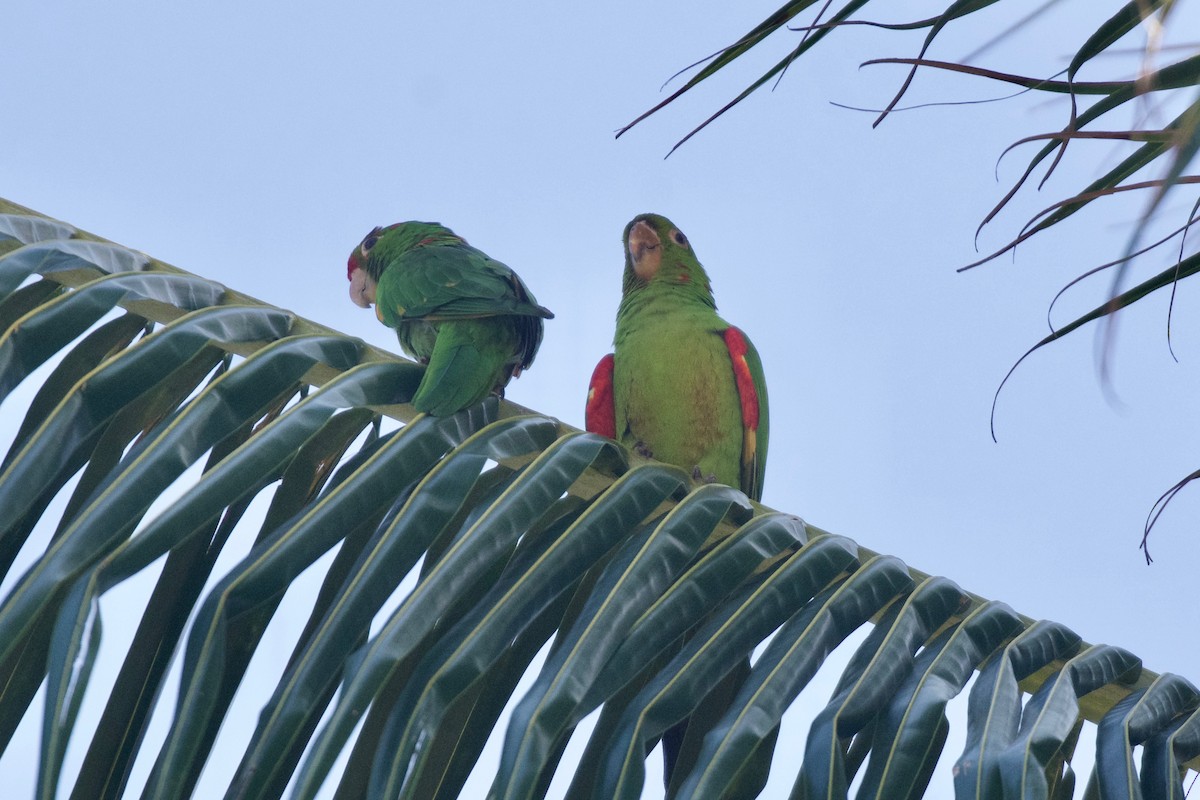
(256,148)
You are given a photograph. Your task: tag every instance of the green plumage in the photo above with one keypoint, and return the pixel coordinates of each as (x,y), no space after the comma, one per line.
(467,316)
(675,390)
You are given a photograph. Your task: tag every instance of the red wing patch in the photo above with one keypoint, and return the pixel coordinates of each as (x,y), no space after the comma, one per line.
(735,341)
(600,415)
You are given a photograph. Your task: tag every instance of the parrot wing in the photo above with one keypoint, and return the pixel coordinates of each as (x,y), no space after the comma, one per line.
(752,396)
(453,282)
(600,415)
(456,282)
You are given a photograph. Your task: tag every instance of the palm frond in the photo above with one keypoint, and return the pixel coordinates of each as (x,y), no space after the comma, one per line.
(518,535)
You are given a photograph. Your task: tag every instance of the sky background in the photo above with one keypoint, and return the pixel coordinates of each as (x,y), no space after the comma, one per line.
(256,148)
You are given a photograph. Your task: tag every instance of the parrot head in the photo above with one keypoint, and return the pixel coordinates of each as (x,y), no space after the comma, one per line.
(657,253)
(362,283)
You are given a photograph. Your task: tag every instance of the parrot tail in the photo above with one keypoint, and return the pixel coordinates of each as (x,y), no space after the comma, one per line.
(469,360)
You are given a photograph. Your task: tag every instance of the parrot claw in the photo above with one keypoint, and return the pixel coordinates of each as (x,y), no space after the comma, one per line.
(700,477)
(643,450)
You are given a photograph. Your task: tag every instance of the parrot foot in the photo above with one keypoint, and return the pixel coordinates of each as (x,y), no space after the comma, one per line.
(643,450)
(700,477)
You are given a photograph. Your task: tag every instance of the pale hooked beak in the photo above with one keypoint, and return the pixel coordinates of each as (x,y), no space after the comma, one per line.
(362,288)
(645,250)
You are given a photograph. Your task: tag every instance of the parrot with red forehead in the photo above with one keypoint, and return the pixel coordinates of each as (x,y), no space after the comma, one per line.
(468,317)
(682,385)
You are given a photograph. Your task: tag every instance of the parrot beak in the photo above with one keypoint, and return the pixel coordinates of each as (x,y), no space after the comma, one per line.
(645,250)
(362,288)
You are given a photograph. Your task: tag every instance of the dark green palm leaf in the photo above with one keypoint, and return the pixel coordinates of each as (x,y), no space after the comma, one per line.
(631,582)
(1132,722)
(62,255)
(394,551)
(22,229)
(1166,751)
(909,735)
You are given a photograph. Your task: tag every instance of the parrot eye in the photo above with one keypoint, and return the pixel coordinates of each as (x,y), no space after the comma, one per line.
(370,241)
(679,238)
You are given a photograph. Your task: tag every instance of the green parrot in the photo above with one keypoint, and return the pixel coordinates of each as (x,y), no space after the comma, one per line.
(685,387)
(682,386)
(467,316)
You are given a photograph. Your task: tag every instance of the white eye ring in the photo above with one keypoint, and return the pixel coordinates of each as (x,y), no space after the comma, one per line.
(679,238)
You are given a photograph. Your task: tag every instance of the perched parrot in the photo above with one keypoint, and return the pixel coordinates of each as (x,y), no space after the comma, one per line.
(682,386)
(467,316)
(685,387)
